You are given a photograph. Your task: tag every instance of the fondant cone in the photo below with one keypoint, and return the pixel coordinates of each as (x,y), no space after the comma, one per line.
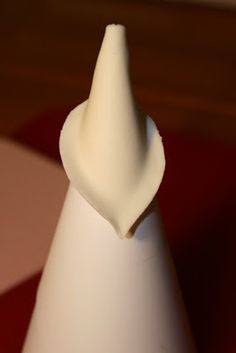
(101,290)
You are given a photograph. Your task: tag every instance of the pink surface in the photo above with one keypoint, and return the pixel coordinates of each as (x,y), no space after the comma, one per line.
(27,179)
(197,204)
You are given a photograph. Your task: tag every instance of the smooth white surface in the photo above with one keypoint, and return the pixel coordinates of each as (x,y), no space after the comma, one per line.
(32,189)
(113,153)
(103,294)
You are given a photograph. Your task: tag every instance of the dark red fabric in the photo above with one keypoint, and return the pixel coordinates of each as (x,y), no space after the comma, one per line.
(15,310)
(197,204)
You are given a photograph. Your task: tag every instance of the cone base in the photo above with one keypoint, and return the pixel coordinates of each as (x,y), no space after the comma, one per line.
(101,294)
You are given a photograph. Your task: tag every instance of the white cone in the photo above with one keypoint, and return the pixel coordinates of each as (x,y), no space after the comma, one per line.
(101,294)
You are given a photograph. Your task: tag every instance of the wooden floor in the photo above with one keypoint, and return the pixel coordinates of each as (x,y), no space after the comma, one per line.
(183,60)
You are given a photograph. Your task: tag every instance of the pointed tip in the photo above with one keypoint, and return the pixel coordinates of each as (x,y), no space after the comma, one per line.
(122,231)
(111,82)
(120,235)
(115,28)
(115,38)
(127,235)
